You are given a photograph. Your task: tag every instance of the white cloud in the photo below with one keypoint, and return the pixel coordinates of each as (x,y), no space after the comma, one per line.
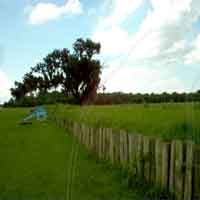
(193,57)
(162,42)
(140,80)
(44,12)
(166,24)
(165,29)
(120,11)
(5,85)
(113,38)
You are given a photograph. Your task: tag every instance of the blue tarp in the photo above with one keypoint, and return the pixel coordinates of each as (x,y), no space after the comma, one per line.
(39,113)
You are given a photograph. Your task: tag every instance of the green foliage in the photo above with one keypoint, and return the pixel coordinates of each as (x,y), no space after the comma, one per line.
(77,73)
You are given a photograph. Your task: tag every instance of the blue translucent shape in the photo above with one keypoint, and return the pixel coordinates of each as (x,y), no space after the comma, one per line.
(39,113)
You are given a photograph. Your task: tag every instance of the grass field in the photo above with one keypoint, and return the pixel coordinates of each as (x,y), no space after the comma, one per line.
(168,121)
(40,161)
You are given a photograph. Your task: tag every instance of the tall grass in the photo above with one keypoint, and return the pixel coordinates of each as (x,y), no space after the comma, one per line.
(168,121)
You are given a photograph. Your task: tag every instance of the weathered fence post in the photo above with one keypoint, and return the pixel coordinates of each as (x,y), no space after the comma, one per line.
(123,148)
(172,168)
(153,161)
(117,147)
(103,143)
(139,156)
(111,146)
(146,156)
(196,174)
(188,171)
(106,143)
(165,165)
(131,150)
(91,138)
(158,160)
(100,142)
(126,149)
(95,132)
(179,176)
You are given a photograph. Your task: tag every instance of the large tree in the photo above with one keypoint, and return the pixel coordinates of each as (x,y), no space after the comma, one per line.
(77,72)
(81,70)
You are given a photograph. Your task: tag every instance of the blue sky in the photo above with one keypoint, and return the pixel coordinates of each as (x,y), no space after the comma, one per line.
(147,45)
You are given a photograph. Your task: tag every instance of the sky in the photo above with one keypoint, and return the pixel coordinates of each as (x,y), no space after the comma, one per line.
(147,45)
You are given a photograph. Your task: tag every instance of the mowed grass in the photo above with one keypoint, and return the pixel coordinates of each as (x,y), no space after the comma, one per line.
(41,161)
(168,121)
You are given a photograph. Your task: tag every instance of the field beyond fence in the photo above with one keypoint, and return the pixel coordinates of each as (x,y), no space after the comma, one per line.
(167,121)
(172,165)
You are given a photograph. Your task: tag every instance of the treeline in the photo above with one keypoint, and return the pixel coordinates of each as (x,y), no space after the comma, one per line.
(107,98)
(41,99)
(76,74)
(124,98)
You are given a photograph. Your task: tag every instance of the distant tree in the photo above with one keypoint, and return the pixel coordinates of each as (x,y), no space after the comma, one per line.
(43,76)
(30,82)
(19,91)
(53,63)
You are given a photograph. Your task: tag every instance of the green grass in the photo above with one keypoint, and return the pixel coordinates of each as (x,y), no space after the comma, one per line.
(41,161)
(168,121)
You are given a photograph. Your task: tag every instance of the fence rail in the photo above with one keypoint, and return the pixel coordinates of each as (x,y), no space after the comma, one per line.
(172,165)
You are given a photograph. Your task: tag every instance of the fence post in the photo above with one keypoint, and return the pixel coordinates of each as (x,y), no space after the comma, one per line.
(91,138)
(111,146)
(139,156)
(146,154)
(196,174)
(100,142)
(152,161)
(158,160)
(123,148)
(107,143)
(117,147)
(96,141)
(188,171)
(126,153)
(172,168)
(165,165)
(131,150)
(179,170)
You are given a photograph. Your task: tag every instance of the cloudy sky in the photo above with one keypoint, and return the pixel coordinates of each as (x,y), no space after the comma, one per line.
(147,45)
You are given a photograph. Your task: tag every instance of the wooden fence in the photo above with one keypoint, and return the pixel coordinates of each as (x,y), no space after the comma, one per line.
(172,165)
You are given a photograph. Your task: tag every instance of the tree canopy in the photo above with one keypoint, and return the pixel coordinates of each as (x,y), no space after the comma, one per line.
(76,73)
